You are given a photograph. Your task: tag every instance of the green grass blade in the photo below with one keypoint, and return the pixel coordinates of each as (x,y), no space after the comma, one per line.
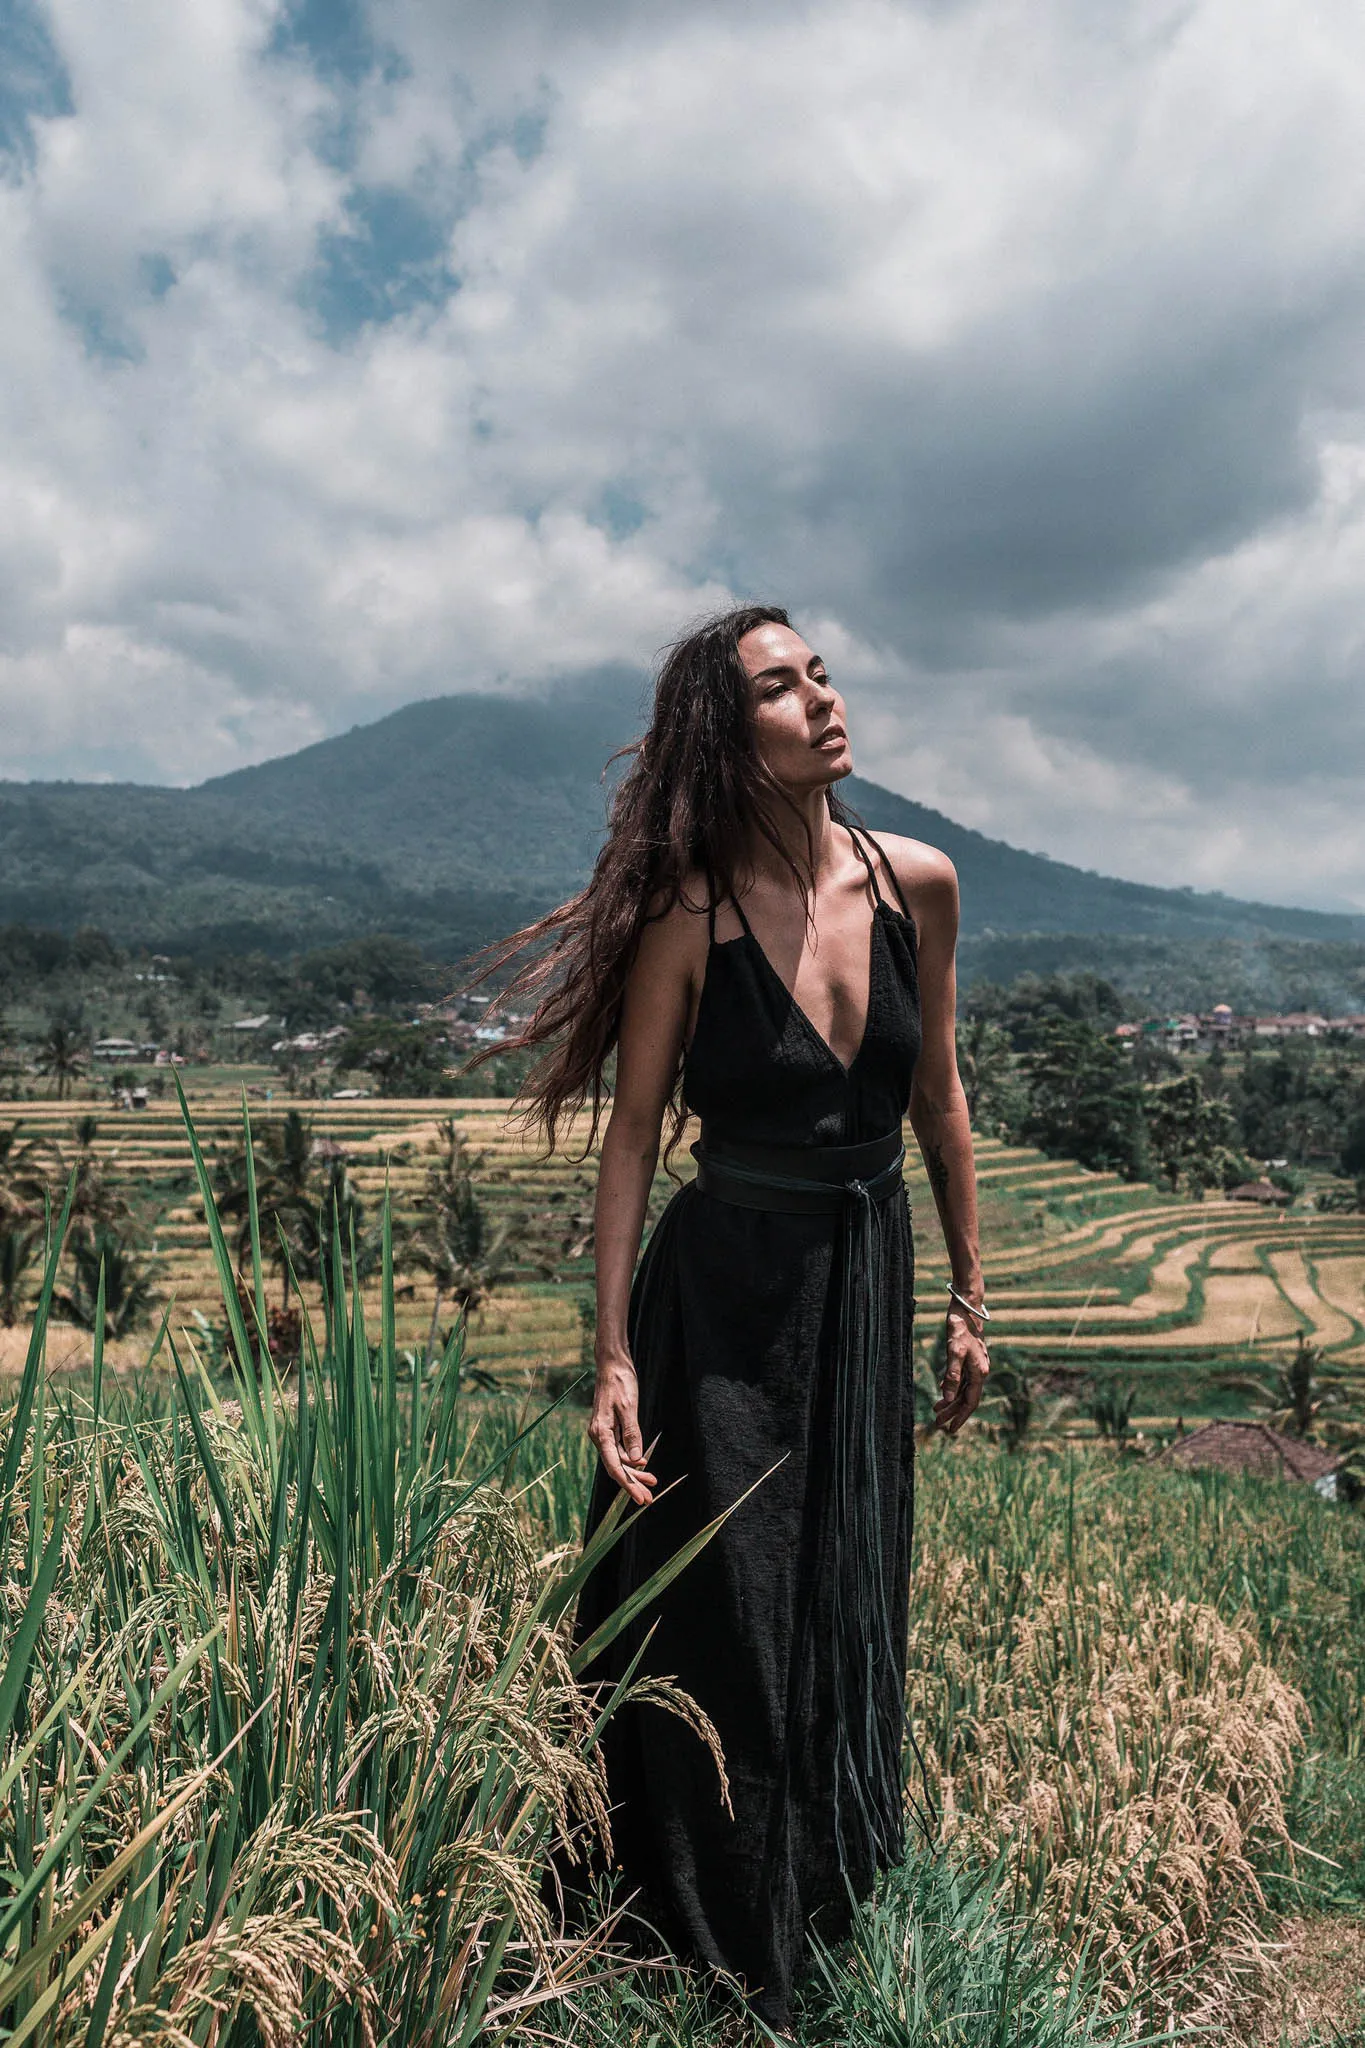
(227,1275)
(35,1959)
(212,1472)
(19,1902)
(30,1622)
(622,1616)
(33,1367)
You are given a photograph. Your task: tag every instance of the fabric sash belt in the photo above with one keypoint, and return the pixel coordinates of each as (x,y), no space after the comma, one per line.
(814,1179)
(853,1181)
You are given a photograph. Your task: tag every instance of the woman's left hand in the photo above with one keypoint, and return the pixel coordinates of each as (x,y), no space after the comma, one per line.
(965,1377)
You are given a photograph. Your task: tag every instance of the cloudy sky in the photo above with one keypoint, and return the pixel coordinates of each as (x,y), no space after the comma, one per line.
(352,353)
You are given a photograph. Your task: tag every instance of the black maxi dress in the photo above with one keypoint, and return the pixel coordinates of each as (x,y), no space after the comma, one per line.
(734,1330)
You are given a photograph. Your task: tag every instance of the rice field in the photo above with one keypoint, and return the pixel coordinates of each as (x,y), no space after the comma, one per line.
(288,1719)
(1086,1272)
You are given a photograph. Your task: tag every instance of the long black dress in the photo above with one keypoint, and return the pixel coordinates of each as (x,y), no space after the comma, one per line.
(734,1332)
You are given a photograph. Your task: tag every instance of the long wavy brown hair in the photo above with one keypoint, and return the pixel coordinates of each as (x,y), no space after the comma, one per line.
(694,793)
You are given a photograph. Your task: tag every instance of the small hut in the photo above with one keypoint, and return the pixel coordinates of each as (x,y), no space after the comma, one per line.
(1252,1447)
(1263,1191)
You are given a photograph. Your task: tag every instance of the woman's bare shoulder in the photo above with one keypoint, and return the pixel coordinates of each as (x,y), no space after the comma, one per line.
(678,931)
(927,877)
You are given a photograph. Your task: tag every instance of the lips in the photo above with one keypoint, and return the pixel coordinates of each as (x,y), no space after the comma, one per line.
(834,737)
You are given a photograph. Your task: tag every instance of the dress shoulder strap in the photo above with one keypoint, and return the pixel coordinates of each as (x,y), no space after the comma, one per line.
(748,933)
(895,880)
(712,901)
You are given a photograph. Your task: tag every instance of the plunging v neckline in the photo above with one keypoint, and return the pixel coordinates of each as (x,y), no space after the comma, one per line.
(802,1013)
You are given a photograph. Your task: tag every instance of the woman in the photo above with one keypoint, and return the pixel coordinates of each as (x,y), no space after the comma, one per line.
(756,958)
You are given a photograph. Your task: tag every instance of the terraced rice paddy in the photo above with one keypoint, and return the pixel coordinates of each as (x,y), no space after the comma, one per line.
(1086,1271)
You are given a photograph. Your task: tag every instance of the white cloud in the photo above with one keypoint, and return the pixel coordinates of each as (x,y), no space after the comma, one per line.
(1017,344)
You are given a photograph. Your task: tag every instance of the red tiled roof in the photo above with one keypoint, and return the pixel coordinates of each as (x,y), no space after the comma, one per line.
(1250,1447)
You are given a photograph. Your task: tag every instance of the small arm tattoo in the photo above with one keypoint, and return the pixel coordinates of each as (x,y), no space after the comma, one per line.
(937,1169)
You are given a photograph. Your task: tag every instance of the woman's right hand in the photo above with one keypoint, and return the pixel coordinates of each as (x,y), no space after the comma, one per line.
(615,1428)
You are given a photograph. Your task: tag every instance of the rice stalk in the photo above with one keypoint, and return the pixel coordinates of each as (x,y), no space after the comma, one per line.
(289,1719)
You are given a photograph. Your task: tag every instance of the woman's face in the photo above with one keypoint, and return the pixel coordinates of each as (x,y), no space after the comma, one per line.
(798,715)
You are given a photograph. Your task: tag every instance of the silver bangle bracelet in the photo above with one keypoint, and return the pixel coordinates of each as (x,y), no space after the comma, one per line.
(970,1306)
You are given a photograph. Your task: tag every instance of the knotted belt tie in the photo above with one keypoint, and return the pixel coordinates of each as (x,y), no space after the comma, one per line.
(854,1181)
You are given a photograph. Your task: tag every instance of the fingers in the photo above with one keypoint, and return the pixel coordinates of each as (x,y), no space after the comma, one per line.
(963,1385)
(615,1430)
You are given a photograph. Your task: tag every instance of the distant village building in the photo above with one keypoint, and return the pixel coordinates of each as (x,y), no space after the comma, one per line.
(1263,1191)
(1252,1447)
(1296,1024)
(1222,1026)
(116,1049)
(310,1041)
(261,1023)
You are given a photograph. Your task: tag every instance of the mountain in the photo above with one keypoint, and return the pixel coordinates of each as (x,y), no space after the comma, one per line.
(453,819)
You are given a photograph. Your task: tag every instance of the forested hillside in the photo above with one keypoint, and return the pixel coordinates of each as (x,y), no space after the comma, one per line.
(450,820)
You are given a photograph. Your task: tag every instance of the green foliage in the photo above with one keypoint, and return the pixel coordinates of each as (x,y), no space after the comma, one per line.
(22,1180)
(1083,1100)
(1191,1136)
(401,1059)
(1255,971)
(986,1068)
(1033,1001)
(382,971)
(1352,1156)
(1295,1100)
(943,1958)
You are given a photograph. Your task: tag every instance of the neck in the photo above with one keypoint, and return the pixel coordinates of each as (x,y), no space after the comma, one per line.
(811,812)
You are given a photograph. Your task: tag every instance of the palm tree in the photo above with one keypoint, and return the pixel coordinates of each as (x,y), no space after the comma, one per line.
(18,1247)
(288,1193)
(985,1062)
(95,1201)
(21,1178)
(340,1209)
(1110,1407)
(303,1190)
(129,1290)
(1011,1385)
(1295,1394)
(466,1253)
(61,1056)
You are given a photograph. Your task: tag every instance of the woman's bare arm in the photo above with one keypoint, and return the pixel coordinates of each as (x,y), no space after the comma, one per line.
(653,1024)
(938,1115)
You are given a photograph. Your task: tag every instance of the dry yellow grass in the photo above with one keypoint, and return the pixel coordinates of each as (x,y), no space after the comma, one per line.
(1134,1750)
(1318,1992)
